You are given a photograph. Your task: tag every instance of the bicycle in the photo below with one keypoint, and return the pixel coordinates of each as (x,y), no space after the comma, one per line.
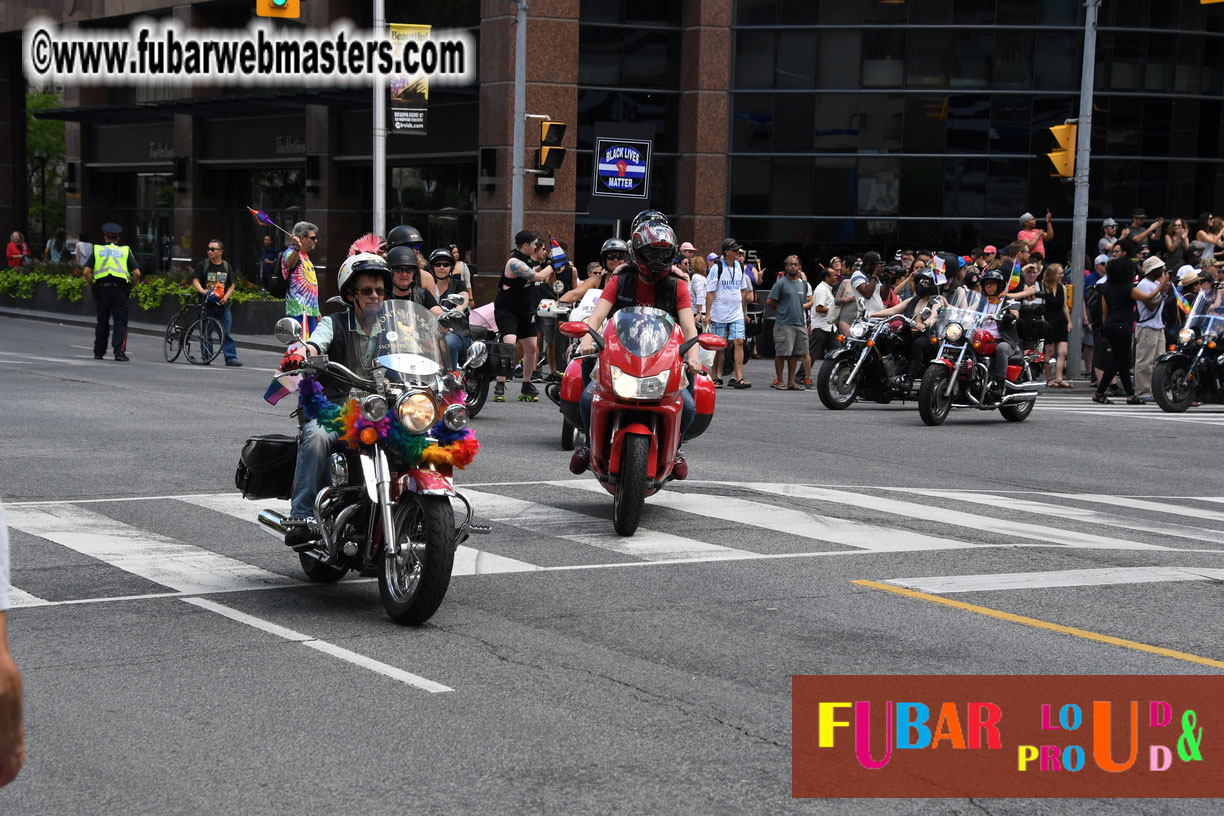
(200,335)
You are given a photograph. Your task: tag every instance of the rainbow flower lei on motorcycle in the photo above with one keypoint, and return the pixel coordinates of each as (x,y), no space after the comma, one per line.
(441,446)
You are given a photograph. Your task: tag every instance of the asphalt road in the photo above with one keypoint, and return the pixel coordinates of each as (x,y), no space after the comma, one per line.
(585,673)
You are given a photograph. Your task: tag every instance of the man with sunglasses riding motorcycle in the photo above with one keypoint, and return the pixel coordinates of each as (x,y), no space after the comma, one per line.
(364,281)
(646,280)
(1003,327)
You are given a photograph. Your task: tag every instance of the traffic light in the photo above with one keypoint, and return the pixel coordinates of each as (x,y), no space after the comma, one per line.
(1063,159)
(551,154)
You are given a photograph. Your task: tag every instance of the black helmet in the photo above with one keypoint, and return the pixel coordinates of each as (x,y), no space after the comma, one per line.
(441,255)
(404,235)
(363,263)
(994,275)
(403,256)
(644,216)
(924,283)
(612,245)
(653,249)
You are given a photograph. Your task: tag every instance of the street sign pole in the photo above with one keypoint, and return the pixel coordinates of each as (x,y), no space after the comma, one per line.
(520,112)
(1079,226)
(380,131)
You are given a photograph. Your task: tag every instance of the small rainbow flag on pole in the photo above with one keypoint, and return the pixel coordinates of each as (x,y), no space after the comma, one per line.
(1014,283)
(1182,303)
(263,218)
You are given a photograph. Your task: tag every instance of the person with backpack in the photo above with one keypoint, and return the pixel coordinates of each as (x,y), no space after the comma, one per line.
(214,280)
(727,289)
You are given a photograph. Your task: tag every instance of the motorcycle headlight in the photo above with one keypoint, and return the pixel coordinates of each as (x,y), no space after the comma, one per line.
(455,416)
(858,331)
(417,411)
(339,470)
(626,386)
(373,408)
(954,332)
(1185,336)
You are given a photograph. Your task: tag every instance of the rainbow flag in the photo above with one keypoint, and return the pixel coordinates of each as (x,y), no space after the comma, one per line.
(261,216)
(1014,283)
(1182,303)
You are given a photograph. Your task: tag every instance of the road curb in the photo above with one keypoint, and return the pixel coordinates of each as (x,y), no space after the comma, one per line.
(148,329)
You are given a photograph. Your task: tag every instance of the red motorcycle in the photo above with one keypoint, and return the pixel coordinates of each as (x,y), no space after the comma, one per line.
(635,414)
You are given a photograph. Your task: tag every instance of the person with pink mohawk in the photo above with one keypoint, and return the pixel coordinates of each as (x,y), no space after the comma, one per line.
(370,242)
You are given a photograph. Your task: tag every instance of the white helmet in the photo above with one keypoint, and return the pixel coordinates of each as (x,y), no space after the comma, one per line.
(363,263)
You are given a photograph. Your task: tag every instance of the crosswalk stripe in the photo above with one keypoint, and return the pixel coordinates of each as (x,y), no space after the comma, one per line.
(182,567)
(1013,503)
(792,521)
(984,522)
(1141,504)
(19,598)
(944,584)
(468,561)
(648,545)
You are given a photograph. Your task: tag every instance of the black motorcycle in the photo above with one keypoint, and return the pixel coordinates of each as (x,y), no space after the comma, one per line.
(1194,371)
(479,370)
(870,364)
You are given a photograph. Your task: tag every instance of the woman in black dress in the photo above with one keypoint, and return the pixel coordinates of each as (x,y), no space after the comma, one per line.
(1058,318)
(1118,309)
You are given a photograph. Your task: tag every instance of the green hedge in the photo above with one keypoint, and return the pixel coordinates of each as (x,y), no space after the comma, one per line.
(69,284)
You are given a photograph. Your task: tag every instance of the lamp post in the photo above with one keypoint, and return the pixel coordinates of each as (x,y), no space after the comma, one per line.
(41,155)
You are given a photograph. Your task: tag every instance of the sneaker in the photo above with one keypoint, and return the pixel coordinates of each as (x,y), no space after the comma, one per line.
(529,393)
(122,358)
(99,356)
(808,382)
(581,460)
(233,363)
(680,467)
(499,392)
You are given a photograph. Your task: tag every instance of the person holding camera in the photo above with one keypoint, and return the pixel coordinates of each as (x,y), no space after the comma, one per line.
(727,290)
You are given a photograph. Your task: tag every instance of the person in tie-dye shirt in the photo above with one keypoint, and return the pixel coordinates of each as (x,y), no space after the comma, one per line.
(302,292)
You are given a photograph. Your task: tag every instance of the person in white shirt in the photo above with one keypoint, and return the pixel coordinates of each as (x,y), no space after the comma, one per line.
(1149,330)
(727,288)
(12,735)
(820,341)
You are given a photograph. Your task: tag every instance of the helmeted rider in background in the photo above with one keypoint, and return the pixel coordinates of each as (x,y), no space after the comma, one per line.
(647,280)
(1003,327)
(364,282)
(926,295)
(612,256)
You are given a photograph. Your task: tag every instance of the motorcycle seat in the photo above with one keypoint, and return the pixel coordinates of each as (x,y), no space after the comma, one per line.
(478,332)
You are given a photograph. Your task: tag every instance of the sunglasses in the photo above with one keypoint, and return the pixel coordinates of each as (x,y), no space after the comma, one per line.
(214,249)
(313,237)
(447,264)
(615,256)
(404,270)
(366,291)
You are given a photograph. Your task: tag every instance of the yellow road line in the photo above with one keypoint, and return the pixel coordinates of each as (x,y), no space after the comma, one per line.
(1040,624)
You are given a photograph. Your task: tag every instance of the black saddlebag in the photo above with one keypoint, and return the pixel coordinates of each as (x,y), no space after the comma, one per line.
(265,470)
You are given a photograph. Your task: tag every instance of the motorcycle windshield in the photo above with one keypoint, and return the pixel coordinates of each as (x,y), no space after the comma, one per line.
(407,339)
(967,318)
(643,330)
(1207,314)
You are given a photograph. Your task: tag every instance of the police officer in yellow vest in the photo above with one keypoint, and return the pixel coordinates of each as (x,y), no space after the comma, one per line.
(112,271)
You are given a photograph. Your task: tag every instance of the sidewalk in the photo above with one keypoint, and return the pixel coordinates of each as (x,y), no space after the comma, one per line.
(244,341)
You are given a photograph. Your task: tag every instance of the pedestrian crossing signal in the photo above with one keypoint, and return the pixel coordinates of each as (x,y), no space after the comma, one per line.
(551,154)
(1063,159)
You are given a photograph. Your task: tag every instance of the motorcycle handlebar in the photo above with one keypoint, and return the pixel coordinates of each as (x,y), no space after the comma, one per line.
(339,370)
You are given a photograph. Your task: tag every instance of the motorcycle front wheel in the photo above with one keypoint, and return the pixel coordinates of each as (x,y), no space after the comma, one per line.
(476,391)
(933,404)
(631,489)
(832,383)
(413,585)
(1172,391)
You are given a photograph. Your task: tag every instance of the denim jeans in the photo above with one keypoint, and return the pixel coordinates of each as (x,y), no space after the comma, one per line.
(222,313)
(308,479)
(456,345)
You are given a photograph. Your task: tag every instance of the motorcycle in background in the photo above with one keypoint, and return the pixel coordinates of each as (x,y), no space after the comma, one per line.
(1193,370)
(635,414)
(870,363)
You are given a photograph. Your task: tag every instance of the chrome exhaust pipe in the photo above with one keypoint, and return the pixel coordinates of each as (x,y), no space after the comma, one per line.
(274,522)
(1024,396)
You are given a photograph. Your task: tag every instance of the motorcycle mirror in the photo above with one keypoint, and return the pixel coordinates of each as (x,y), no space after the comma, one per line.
(711,342)
(336,300)
(926,314)
(477,353)
(453,301)
(574,328)
(287,331)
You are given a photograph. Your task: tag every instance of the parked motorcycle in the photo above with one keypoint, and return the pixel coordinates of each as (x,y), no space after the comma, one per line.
(1193,371)
(401,432)
(961,376)
(870,364)
(635,414)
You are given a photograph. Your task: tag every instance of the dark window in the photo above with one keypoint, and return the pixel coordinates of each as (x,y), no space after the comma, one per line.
(791,187)
(881,12)
(833,182)
(1013,59)
(973,12)
(1007,193)
(930,12)
(750,12)
(1126,62)
(657,108)
(752,122)
(599,62)
(968,124)
(754,59)
(652,59)
(1010,124)
(839,12)
(964,188)
(926,63)
(883,59)
(794,117)
(798,12)
(922,183)
(972,55)
(1157,123)
(879,187)
(840,58)
(1056,64)
(881,121)
(1125,123)
(925,117)
(750,179)
(650,12)
(1017,12)
(795,60)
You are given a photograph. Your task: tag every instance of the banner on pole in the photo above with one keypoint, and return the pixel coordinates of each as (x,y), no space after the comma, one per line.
(409,94)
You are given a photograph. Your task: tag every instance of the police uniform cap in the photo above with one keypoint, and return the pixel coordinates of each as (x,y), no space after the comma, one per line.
(111,228)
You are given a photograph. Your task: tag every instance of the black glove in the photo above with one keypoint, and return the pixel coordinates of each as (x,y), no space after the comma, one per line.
(1007,319)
